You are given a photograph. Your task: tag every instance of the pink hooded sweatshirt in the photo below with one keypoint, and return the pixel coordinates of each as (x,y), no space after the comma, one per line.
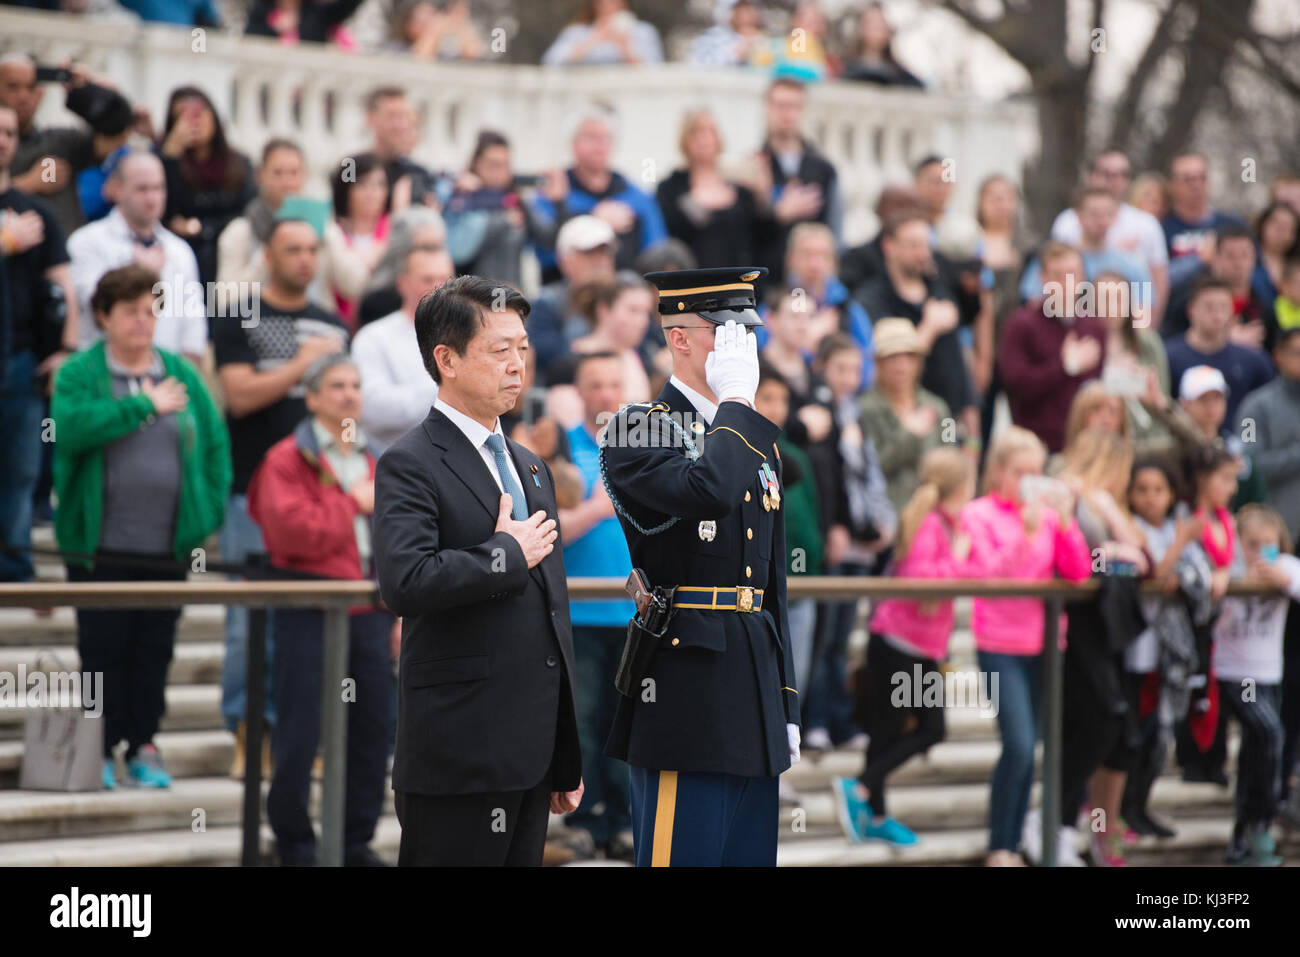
(1000,549)
(924,625)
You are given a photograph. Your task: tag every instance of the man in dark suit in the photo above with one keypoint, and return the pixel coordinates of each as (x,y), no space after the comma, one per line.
(695,478)
(465,534)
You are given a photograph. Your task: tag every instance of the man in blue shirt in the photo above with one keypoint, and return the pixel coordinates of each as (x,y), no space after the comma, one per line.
(1191,223)
(595,547)
(1206,343)
(594,187)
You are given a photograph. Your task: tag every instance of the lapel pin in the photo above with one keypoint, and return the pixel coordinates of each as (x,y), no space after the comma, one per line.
(536,480)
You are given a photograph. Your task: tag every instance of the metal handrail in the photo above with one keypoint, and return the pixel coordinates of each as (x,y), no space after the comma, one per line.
(334,598)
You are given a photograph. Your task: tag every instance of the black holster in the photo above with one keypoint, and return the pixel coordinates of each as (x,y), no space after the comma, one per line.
(643,640)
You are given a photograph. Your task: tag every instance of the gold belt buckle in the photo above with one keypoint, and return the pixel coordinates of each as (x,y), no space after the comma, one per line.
(744,598)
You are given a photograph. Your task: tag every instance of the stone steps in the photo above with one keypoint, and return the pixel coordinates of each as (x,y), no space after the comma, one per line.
(194,662)
(28,815)
(1198,841)
(189,707)
(20,627)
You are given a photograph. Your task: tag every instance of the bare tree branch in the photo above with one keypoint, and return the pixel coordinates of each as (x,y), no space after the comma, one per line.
(1162,41)
(1219,25)
(1019,33)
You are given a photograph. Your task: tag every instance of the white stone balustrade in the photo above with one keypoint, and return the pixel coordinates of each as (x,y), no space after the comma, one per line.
(314,94)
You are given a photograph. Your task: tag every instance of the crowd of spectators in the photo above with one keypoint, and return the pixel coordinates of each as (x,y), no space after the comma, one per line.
(1148,351)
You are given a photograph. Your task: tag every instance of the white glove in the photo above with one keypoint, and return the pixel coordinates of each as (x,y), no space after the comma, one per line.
(792,736)
(731,369)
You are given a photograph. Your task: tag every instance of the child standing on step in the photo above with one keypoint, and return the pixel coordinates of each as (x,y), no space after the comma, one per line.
(908,641)
(1247,659)
(1157,670)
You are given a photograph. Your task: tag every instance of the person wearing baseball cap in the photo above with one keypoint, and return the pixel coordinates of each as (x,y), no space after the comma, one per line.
(584,248)
(1203,392)
(903,419)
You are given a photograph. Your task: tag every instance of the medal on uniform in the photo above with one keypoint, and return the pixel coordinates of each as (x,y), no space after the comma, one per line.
(768,477)
(708,530)
(767,502)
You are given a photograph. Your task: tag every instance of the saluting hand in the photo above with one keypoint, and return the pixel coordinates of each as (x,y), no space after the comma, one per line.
(535,534)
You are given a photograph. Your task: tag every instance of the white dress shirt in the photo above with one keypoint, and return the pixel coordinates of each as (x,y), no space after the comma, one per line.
(705,407)
(1134,232)
(108,244)
(477,436)
(396,389)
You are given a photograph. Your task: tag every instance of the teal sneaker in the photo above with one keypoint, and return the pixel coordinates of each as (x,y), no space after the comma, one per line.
(851,809)
(110,775)
(890,831)
(146,769)
(1262,848)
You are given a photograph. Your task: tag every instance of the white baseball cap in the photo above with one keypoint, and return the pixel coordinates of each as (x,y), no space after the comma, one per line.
(1199,380)
(583,234)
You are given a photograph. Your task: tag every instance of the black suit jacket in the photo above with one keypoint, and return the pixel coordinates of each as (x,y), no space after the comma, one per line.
(485,698)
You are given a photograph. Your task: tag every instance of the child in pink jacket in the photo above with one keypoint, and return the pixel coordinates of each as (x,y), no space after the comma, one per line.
(908,641)
(1032,541)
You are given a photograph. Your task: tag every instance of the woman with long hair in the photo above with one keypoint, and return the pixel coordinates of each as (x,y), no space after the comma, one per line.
(360,193)
(1001,249)
(1099,721)
(716,218)
(619,311)
(1136,373)
(909,638)
(208,181)
(1277,236)
(873,59)
(1021,528)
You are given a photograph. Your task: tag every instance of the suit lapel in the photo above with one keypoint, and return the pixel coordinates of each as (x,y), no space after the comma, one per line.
(463,461)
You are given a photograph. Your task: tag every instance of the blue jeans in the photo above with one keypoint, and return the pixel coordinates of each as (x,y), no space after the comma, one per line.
(606,802)
(830,703)
(803,629)
(240,537)
(1020,698)
(21,409)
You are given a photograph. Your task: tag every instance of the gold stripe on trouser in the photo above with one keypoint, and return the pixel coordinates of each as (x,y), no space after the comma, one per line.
(661,851)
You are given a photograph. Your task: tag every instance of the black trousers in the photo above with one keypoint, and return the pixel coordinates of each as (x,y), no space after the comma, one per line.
(128,652)
(1291,698)
(1090,728)
(1150,753)
(1259,761)
(489,829)
(299,641)
(897,733)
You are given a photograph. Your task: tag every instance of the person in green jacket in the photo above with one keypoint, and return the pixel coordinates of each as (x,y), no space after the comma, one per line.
(903,420)
(804,529)
(141,474)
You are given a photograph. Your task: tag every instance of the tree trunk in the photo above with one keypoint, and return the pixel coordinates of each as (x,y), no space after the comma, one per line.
(1063,108)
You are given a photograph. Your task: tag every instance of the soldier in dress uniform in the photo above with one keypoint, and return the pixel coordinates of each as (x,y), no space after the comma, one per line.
(695,478)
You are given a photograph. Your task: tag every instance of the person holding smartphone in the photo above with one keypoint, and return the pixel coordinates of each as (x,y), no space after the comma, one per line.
(1023,527)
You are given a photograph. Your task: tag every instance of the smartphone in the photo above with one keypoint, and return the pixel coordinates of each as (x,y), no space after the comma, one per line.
(1124,381)
(53,74)
(1034,487)
(534,405)
(527,181)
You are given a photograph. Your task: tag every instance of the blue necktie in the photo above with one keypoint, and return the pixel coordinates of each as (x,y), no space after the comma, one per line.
(518,505)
